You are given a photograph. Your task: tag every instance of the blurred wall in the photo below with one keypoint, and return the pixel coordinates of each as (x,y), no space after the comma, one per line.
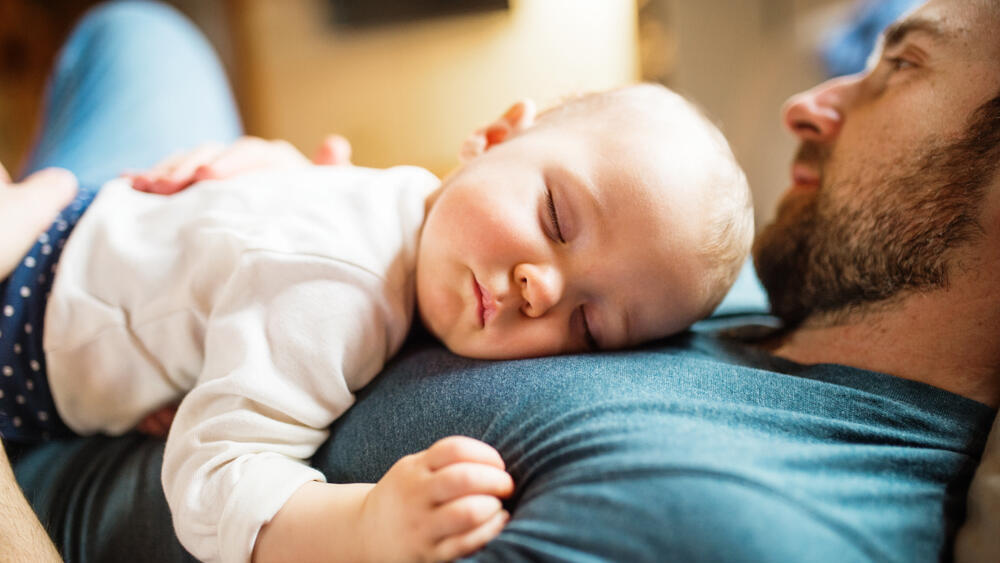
(740,60)
(410,93)
(31,33)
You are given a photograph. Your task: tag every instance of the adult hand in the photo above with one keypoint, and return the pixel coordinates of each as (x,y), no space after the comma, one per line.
(214,161)
(438,504)
(28,208)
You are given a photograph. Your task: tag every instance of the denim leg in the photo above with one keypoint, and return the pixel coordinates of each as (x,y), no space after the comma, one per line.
(135,82)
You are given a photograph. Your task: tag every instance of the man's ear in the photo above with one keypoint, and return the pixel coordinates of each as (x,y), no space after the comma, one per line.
(517,118)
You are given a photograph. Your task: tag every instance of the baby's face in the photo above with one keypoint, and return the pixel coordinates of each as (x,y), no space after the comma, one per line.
(568,237)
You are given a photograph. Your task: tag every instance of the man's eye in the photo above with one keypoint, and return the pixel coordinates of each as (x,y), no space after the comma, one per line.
(553,216)
(899,63)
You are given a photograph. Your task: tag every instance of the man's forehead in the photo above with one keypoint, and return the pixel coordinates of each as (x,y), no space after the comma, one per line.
(926,20)
(951,20)
(969,25)
(966,23)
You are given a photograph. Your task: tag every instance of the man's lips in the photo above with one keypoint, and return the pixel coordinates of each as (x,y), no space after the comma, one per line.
(486,307)
(804,175)
(807,166)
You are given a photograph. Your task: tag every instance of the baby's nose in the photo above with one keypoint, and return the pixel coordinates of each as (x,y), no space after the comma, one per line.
(541,288)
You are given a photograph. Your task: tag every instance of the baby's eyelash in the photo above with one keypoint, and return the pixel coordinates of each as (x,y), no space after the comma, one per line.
(553,215)
(591,342)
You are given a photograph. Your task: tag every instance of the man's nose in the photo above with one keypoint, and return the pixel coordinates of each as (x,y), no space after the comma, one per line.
(818,114)
(541,287)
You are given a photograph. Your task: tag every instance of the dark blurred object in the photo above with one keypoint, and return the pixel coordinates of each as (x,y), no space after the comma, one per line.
(847,49)
(358,13)
(30,34)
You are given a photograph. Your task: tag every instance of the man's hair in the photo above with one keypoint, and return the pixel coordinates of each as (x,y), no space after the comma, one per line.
(730,211)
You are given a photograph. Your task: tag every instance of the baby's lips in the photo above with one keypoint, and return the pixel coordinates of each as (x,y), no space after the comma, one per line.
(488,302)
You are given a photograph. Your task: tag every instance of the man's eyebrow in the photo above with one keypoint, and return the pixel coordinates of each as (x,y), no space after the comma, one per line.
(895,33)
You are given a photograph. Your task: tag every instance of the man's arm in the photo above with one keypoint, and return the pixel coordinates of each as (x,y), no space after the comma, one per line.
(22,537)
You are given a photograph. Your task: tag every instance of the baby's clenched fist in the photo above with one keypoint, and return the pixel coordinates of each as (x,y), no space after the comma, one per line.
(438,504)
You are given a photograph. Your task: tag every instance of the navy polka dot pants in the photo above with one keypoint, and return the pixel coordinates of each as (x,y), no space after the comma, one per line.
(27,413)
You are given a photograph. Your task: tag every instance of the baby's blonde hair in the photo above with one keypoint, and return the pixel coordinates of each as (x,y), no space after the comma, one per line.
(730,221)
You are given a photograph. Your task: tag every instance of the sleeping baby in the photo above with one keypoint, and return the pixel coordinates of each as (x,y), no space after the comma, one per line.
(267,299)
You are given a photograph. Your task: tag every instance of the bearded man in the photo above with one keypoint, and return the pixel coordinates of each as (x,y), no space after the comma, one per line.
(884,252)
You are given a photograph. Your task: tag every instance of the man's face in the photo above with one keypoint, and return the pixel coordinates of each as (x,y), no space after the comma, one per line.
(564,238)
(885,185)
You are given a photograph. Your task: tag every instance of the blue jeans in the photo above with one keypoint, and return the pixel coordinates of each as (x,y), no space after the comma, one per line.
(134,83)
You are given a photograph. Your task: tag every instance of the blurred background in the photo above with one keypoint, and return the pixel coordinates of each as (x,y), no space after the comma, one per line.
(407,80)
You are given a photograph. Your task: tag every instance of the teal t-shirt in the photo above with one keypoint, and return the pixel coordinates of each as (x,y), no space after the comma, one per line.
(702,448)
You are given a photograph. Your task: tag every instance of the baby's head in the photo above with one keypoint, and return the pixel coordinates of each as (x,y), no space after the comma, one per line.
(610,220)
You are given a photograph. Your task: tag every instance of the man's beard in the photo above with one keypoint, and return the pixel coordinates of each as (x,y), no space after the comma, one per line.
(825,257)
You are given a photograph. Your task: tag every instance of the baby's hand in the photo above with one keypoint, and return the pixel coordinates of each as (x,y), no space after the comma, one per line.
(215,162)
(438,504)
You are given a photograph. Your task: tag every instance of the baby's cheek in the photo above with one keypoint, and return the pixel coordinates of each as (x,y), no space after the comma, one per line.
(509,237)
(532,338)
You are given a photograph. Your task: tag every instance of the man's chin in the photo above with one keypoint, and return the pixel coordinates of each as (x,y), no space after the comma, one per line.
(781,256)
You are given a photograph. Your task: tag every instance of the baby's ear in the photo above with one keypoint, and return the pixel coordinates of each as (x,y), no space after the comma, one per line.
(517,118)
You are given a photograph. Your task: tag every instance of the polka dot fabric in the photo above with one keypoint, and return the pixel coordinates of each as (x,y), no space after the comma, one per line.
(27,413)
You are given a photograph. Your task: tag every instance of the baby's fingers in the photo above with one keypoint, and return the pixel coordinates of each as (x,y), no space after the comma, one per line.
(334,150)
(144,181)
(250,154)
(460,479)
(455,546)
(183,173)
(456,449)
(175,172)
(462,515)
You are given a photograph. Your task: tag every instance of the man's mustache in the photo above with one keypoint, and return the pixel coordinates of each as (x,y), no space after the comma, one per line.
(813,155)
